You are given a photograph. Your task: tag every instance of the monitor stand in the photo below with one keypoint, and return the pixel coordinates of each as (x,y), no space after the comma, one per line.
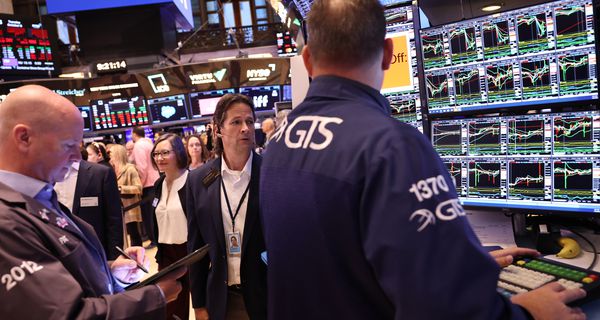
(536,234)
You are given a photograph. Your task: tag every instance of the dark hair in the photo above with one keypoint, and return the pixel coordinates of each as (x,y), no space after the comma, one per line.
(345,33)
(178,149)
(99,149)
(220,114)
(139,131)
(205,152)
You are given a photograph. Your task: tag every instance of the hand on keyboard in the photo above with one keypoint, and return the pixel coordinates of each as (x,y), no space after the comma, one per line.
(550,302)
(504,257)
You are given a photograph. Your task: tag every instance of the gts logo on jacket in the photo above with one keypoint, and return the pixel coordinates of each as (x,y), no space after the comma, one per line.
(305,131)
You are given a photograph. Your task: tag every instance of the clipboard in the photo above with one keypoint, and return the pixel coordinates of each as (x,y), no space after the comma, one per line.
(185,261)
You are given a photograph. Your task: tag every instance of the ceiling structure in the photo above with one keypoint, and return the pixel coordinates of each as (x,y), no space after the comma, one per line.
(444,11)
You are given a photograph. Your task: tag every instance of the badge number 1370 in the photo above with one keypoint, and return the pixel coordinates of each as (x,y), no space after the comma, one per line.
(18,273)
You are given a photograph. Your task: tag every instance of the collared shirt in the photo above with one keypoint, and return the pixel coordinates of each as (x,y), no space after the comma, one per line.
(172,223)
(32,187)
(141,157)
(65,190)
(21,183)
(235,183)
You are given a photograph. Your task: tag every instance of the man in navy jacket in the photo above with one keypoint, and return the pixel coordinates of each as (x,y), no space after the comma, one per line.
(360,216)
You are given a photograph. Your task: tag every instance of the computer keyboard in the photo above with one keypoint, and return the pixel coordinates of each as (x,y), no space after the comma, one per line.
(526,274)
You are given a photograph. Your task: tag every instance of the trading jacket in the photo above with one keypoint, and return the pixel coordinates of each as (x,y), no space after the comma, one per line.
(50,270)
(362,221)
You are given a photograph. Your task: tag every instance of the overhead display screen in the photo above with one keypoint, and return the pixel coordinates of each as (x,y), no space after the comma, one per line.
(537,55)
(168,109)
(86,114)
(25,47)
(119,113)
(264,97)
(203,104)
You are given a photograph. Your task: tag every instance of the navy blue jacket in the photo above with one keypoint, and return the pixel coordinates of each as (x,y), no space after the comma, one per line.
(362,221)
(100,181)
(205,225)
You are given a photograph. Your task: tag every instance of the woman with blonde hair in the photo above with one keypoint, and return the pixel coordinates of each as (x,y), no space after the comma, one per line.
(130,187)
(197,152)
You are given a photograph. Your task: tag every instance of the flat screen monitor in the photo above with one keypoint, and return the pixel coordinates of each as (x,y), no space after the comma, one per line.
(86,114)
(25,46)
(534,56)
(401,81)
(263,97)
(547,162)
(168,109)
(119,113)
(203,104)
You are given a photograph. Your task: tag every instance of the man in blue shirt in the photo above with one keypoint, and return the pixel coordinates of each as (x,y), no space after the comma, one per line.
(52,263)
(360,216)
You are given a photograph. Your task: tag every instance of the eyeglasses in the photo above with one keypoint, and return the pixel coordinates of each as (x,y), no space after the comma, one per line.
(164,153)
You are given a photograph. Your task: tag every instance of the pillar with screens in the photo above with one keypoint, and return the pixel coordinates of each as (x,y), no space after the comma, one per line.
(401,82)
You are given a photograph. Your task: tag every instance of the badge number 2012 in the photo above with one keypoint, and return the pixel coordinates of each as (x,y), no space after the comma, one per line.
(18,273)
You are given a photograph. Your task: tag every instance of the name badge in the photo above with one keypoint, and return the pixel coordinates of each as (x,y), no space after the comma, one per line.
(88,202)
(234,243)
(155,202)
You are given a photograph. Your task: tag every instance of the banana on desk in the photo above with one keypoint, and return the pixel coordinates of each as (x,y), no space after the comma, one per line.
(570,248)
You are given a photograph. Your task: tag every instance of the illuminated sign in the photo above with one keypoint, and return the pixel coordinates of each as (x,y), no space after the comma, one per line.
(260,74)
(70,92)
(209,77)
(159,83)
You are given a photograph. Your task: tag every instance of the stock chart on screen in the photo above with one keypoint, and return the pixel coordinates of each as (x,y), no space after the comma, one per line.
(545,161)
(533,56)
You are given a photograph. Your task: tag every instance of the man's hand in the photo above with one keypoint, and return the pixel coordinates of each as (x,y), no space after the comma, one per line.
(504,257)
(549,302)
(169,284)
(201,313)
(126,270)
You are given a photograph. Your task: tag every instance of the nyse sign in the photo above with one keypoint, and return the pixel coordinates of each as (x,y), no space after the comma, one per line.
(261,74)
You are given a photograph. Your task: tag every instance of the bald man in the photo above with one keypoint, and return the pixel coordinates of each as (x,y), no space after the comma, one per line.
(268,128)
(51,263)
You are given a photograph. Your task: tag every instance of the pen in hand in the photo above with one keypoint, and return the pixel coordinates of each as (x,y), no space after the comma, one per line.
(131,258)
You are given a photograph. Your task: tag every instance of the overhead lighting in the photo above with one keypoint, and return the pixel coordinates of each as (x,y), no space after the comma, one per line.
(492,7)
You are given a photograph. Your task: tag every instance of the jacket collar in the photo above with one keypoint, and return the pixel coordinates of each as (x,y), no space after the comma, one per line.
(337,88)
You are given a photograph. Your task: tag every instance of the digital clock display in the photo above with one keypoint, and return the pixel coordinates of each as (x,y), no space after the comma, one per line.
(111,66)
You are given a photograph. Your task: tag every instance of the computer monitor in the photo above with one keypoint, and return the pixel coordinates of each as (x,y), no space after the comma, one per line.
(203,104)
(534,56)
(534,162)
(119,113)
(263,97)
(168,109)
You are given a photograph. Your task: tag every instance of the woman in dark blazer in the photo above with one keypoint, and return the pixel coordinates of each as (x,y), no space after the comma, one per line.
(223,211)
(170,223)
